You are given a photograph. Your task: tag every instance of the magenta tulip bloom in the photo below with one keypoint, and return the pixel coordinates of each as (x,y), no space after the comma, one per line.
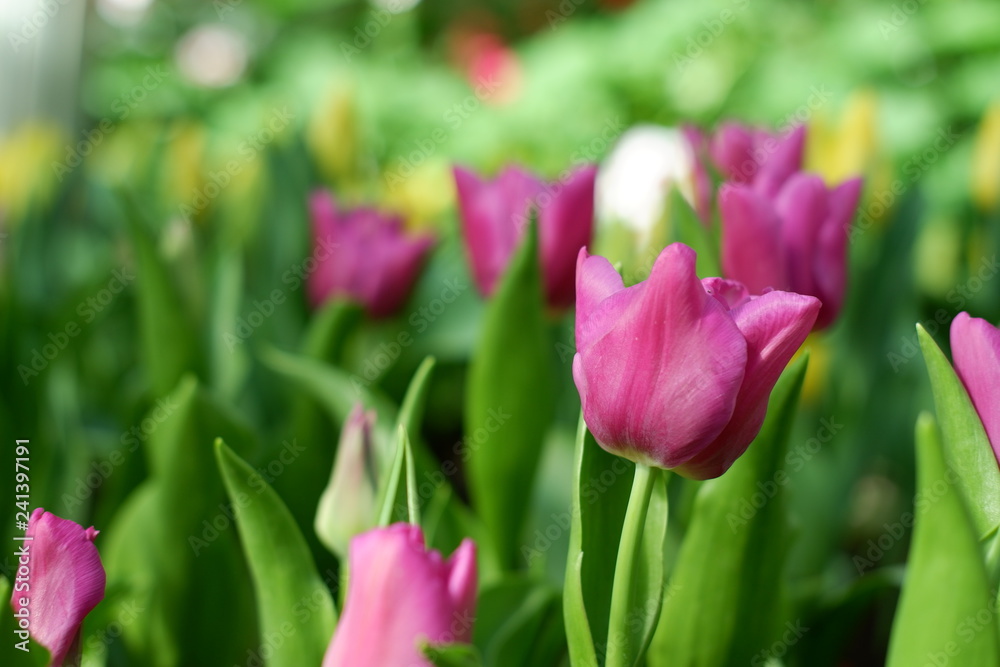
(756,157)
(63,582)
(401,596)
(676,372)
(975,347)
(795,241)
(363,255)
(495,215)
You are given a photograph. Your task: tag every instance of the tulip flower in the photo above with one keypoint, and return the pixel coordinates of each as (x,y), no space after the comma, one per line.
(756,157)
(362,254)
(400,596)
(494,219)
(975,346)
(675,372)
(795,241)
(347,506)
(64,581)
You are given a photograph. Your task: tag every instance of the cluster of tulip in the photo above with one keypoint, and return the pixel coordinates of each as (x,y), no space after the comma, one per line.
(673,373)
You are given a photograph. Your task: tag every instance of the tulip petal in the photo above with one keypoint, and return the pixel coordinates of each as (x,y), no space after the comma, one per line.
(596,281)
(487,243)
(975,347)
(400,595)
(731,149)
(752,251)
(775,325)
(782,163)
(66,581)
(803,206)
(566,224)
(660,383)
(830,264)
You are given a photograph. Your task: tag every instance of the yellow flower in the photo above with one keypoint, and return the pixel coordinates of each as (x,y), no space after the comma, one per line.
(332,134)
(842,150)
(27,160)
(985,175)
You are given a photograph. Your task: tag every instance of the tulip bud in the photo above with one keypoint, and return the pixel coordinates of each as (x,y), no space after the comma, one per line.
(348,504)
(400,596)
(363,255)
(795,241)
(495,216)
(675,372)
(756,157)
(64,580)
(975,346)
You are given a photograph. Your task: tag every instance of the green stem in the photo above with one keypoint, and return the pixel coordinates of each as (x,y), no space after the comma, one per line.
(629,552)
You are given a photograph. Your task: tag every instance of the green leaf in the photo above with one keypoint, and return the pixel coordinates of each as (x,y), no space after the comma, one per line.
(164,327)
(284,574)
(519,623)
(637,594)
(170,550)
(728,561)
(966,447)
(452,655)
(329,328)
(600,497)
(691,231)
(946,593)
(228,363)
(509,400)
(389,496)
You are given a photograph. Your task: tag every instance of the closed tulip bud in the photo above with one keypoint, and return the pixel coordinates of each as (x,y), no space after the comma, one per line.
(400,596)
(794,241)
(676,372)
(347,506)
(63,583)
(495,216)
(750,156)
(975,346)
(363,255)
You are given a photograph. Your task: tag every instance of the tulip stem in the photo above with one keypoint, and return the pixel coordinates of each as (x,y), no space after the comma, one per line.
(629,553)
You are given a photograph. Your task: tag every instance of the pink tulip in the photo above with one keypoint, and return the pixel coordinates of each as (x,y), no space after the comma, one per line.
(64,581)
(676,372)
(495,215)
(975,346)
(751,156)
(400,596)
(794,241)
(362,254)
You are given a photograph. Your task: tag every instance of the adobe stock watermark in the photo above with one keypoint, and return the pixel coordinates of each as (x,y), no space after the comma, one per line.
(258,481)
(419,320)
(566,8)
(900,15)
(895,531)
(453,118)
(295,277)
(248,150)
(966,630)
(34,23)
(103,469)
(712,30)
(791,636)
(88,309)
(958,296)
(121,107)
(590,491)
(461,450)
(914,168)
(377,20)
(795,460)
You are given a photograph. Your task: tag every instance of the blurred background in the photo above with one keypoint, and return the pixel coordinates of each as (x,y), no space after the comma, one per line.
(177,141)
